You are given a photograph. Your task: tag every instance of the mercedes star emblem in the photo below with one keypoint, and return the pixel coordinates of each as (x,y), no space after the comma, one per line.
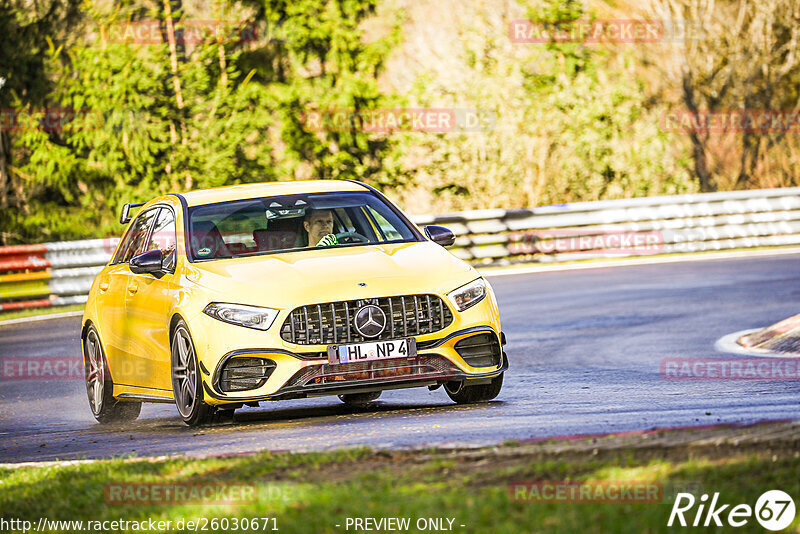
(370,321)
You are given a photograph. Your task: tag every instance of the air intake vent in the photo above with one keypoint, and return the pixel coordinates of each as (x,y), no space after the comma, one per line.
(481,350)
(430,366)
(240,374)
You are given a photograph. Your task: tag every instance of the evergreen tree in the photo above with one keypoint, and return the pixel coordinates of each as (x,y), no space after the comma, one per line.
(170,114)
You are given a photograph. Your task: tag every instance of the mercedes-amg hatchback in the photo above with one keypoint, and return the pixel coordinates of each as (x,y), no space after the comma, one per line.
(226,297)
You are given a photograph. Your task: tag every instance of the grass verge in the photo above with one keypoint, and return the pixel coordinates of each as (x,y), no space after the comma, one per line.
(315,492)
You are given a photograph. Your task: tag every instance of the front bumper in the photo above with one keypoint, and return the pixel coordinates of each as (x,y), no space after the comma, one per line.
(320,378)
(303,370)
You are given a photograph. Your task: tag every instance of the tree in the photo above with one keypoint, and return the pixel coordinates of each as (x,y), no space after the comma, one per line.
(736,56)
(167,115)
(25,83)
(565,121)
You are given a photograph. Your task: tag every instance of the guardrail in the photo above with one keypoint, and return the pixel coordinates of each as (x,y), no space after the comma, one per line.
(55,274)
(51,274)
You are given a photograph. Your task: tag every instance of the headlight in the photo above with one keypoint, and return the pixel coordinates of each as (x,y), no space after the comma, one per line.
(468,295)
(239,314)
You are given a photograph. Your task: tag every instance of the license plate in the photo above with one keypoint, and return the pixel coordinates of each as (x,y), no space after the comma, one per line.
(376,350)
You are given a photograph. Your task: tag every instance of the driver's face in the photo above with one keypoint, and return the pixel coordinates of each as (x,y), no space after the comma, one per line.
(318,226)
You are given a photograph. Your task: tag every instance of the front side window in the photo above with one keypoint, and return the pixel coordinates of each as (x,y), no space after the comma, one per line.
(386,229)
(134,241)
(293,222)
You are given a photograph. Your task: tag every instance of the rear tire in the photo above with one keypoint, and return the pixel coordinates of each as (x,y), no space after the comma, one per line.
(187,384)
(462,393)
(99,386)
(359,400)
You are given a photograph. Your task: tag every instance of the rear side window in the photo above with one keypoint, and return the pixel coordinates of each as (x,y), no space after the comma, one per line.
(343,220)
(163,238)
(135,240)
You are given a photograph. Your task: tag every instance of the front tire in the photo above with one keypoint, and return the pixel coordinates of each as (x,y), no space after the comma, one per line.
(187,384)
(99,386)
(462,393)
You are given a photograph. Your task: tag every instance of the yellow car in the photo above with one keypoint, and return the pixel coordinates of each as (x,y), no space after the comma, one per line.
(225,297)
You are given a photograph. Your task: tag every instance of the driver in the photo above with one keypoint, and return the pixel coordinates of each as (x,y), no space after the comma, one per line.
(319,226)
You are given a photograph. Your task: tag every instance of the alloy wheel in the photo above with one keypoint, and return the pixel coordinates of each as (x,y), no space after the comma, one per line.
(184,372)
(95,371)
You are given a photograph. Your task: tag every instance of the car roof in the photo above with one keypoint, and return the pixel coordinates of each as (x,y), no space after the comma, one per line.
(237,192)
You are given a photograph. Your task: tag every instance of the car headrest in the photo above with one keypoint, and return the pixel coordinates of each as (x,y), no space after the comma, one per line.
(269,239)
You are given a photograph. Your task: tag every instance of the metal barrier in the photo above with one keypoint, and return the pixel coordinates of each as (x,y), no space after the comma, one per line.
(51,274)
(55,274)
(627,227)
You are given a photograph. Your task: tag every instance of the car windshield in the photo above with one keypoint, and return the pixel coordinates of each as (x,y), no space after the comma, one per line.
(293,222)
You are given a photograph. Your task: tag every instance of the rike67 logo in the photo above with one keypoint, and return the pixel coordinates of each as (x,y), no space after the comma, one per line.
(774,510)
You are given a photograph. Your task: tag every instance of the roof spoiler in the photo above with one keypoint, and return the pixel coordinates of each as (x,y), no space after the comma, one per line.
(124,218)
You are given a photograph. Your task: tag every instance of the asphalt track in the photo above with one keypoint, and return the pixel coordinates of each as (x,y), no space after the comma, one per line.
(585,349)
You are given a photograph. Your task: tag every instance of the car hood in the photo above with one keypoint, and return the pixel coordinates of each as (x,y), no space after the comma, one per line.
(292,279)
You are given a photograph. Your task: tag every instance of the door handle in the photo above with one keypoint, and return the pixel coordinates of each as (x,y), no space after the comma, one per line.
(133,288)
(104,284)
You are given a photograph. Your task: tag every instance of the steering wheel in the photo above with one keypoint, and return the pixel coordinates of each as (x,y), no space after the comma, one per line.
(350,237)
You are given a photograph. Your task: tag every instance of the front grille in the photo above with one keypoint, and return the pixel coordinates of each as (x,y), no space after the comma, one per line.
(428,366)
(332,322)
(482,350)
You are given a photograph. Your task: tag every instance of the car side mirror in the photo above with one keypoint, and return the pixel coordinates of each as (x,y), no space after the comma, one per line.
(147,262)
(441,235)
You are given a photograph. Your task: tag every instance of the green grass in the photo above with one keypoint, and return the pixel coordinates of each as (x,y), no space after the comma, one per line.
(313,492)
(35,312)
